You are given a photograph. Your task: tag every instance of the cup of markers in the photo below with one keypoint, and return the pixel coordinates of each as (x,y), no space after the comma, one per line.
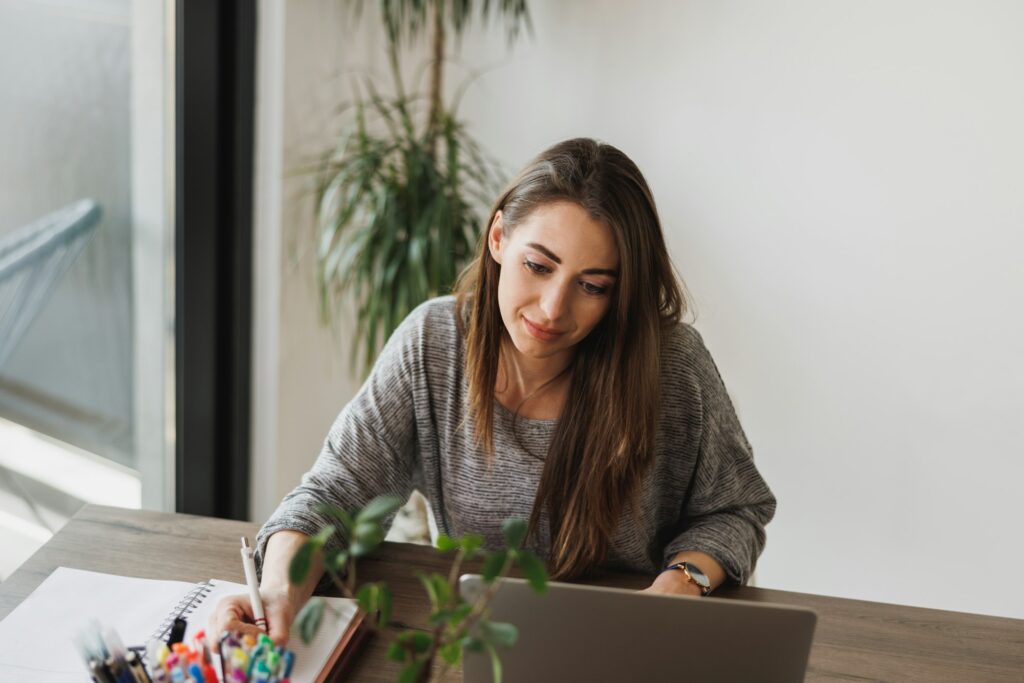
(249,659)
(254,660)
(179,662)
(244,659)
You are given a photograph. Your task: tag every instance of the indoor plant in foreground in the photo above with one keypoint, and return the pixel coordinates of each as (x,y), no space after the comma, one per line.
(455,624)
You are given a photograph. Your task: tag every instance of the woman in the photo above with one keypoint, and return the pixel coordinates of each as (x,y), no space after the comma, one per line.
(558,385)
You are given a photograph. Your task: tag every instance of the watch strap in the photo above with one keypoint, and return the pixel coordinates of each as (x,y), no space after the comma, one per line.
(685,568)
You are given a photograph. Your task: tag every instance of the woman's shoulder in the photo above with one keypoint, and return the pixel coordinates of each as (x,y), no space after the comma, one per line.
(427,337)
(682,342)
(435,317)
(430,326)
(685,357)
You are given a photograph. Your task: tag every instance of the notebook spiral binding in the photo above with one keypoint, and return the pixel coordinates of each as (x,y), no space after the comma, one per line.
(188,603)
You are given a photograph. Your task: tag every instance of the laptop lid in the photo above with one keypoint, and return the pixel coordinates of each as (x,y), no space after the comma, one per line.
(593,633)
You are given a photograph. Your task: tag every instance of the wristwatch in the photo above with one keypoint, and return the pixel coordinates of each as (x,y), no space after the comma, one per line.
(694,574)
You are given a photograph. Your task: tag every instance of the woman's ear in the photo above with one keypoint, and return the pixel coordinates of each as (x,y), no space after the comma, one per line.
(495,238)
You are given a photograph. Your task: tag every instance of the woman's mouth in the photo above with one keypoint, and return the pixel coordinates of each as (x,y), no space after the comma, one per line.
(541,333)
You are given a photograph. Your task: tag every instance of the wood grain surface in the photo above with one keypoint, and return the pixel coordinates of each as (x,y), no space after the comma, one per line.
(854,641)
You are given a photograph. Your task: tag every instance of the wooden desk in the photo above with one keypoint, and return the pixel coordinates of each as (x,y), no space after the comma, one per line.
(854,640)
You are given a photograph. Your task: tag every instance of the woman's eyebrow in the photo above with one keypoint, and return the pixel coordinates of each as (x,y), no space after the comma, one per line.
(589,271)
(544,250)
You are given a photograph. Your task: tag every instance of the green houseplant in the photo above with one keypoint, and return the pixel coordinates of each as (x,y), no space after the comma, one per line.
(455,624)
(399,197)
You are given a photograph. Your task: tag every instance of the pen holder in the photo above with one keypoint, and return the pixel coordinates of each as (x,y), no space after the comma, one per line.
(243,659)
(106,657)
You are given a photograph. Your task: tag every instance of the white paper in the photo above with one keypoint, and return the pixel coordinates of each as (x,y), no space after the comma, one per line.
(37,639)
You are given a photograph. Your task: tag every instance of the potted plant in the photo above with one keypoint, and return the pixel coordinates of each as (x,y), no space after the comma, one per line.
(399,196)
(456,625)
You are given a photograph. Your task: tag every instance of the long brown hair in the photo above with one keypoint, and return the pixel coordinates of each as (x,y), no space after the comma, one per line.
(604,439)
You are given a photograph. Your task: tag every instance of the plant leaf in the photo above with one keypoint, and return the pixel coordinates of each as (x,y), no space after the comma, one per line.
(459,613)
(452,616)
(298,568)
(396,653)
(379,508)
(368,532)
(362,549)
(444,589)
(499,633)
(336,560)
(309,618)
(533,569)
(447,543)
(515,531)
(415,641)
(451,653)
(324,535)
(471,543)
(437,589)
(492,565)
(367,597)
(495,663)
(473,644)
(343,517)
(410,672)
(428,586)
(384,605)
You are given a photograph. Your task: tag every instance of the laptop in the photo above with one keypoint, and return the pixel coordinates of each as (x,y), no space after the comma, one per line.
(593,634)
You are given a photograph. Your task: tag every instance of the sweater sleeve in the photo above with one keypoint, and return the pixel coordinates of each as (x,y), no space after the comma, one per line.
(729,502)
(370,448)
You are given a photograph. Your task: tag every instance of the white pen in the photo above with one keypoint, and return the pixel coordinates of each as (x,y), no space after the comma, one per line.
(254,588)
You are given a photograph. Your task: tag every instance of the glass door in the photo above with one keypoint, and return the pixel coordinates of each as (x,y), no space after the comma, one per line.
(86,263)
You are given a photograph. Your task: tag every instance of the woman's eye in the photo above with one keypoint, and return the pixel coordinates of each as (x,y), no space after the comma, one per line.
(591,288)
(535,267)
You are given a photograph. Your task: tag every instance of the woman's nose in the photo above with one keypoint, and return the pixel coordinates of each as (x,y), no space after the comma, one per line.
(554,301)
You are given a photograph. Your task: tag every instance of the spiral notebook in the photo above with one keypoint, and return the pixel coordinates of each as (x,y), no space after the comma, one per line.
(37,638)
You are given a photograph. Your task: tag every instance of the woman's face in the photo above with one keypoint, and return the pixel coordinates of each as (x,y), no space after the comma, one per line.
(558,270)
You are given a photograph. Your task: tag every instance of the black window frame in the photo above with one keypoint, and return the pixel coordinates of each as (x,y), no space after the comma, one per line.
(215,61)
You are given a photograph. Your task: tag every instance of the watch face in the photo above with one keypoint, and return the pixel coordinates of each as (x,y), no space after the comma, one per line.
(697,575)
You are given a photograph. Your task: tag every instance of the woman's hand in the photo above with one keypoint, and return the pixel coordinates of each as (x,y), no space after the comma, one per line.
(673,582)
(281,598)
(234,613)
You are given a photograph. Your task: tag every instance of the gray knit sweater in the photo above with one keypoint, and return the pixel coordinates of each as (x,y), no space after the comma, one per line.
(404,430)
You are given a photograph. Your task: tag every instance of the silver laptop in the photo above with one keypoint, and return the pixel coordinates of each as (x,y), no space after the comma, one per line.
(590,633)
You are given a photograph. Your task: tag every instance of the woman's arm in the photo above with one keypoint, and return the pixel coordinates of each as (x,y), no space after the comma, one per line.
(369,450)
(721,525)
(281,547)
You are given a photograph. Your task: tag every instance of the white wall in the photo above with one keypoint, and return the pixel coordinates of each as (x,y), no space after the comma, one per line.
(840,184)
(301,370)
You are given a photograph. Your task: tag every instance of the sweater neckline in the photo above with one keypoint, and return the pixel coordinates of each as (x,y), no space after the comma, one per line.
(509,415)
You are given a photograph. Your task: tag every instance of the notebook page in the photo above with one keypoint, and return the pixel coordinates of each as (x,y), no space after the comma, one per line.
(309,659)
(37,637)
